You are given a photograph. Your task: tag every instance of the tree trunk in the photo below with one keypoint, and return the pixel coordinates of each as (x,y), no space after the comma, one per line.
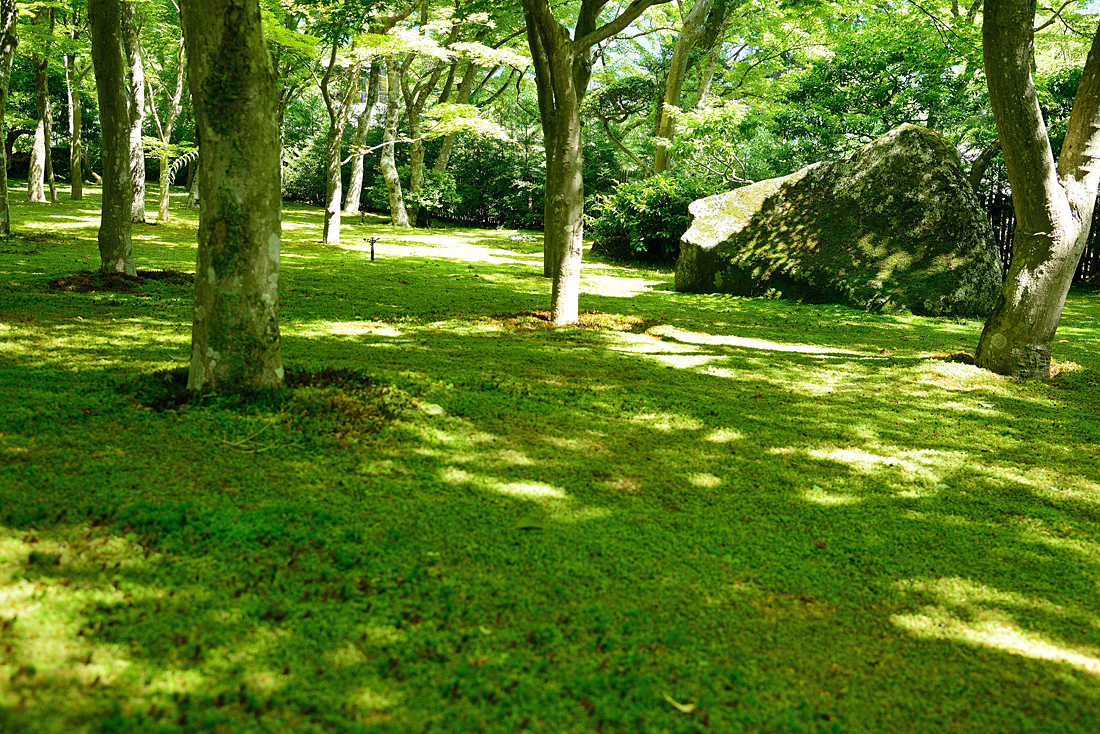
(175,106)
(706,78)
(694,27)
(135,85)
(337,120)
(235,343)
(398,216)
(109,57)
(9,39)
(1053,204)
(355,185)
(464,88)
(981,165)
(76,145)
(416,166)
(36,174)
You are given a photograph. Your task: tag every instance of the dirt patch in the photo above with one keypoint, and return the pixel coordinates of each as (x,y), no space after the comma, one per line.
(88,281)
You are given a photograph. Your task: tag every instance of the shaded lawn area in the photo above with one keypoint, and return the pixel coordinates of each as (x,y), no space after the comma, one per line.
(689,513)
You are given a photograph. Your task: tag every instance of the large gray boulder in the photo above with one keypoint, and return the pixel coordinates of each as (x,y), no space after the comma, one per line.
(896,227)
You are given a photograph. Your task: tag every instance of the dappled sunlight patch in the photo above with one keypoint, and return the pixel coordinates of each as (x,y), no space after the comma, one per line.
(956,376)
(704,480)
(963,611)
(667,421)
(355,328)
(554,501)
(723,435)
(824,497)
(921,465)
(622,485)
(690,337)
(616,286)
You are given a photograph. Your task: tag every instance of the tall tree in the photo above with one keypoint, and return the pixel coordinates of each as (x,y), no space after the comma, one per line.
(1054,201)
(355,183)
(9,39)
(235,342)
(41,167)
(563,67)
(338,109)
(116,252)
(135,87)
(166,78)
(692,31)
(399,217)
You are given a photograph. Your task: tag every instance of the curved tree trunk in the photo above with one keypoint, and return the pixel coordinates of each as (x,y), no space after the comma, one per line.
(464,88)
(694,27)
(135,85)
(76,145)
(9,39)
(355,185)
(1053,205)
(109,57)
(235,342)
(563,67)
(398,216)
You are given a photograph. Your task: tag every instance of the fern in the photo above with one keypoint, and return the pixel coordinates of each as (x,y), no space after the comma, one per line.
(184,159)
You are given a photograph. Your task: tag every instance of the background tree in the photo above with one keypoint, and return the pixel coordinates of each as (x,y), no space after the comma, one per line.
(135,88)
(9,39)
(109,57)
(563,67)
(235,343)
(41,163)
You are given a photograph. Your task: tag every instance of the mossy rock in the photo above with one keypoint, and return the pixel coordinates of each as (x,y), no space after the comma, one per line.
(896,227)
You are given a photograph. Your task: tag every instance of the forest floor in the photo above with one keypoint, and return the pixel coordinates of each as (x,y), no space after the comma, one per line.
(687,513)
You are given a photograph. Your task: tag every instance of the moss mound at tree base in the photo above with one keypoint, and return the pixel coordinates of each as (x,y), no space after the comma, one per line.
(894,228)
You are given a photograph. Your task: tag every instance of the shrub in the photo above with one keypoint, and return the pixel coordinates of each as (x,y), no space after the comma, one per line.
(643,220)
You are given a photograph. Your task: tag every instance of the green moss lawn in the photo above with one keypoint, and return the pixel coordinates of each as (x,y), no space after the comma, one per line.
(688,513)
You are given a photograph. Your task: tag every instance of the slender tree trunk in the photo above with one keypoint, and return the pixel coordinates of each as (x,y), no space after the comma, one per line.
(398,216)
(464,88)
(1053,205)
(694,27)
(338,111)
(109,57)
(135,85)
(981,165)
(76,145)
(706,78)
(9,39)
(355,185)
(235,343)
(36,175)
(175,105)
(416,167)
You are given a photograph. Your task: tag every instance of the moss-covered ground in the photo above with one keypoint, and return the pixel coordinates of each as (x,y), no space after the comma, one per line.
(688,513)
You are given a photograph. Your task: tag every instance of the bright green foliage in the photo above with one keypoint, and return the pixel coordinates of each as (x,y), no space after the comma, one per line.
(437,196)
(644,220)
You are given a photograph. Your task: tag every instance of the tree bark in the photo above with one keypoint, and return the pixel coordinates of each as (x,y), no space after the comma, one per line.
(399,217)
(76,145)
(1053,204)
(109,57)
(135,86)
(443,159)
(981,165)
(338,111)
(355,184)
(235,342)
(692,31)
(563,67)
(36,173)
(9,39)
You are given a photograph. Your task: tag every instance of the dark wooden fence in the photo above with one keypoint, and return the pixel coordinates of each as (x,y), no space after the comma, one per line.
(1003,220)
